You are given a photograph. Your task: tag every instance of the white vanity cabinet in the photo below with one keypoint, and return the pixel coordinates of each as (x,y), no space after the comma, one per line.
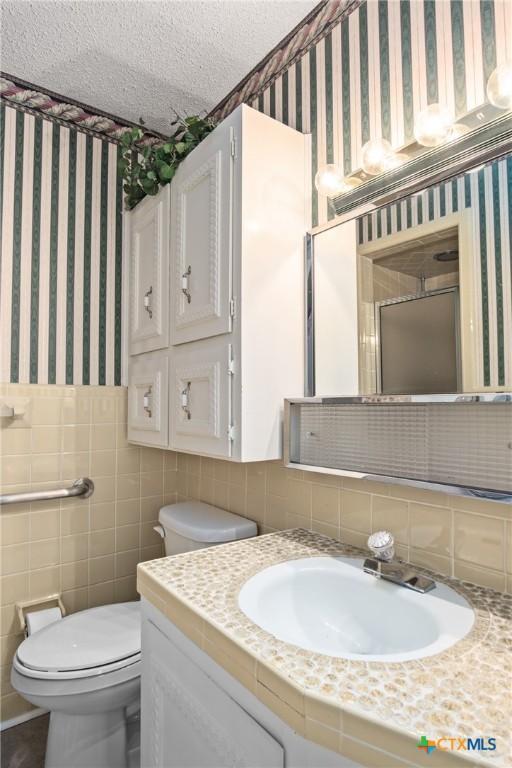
(190,721)
(237,213)
(193,713)
(149,274)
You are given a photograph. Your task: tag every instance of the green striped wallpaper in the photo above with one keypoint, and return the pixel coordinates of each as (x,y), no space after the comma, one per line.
(61,219)
(488,193)
(382,65)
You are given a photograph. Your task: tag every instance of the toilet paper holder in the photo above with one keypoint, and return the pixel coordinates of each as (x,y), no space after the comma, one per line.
(40,602)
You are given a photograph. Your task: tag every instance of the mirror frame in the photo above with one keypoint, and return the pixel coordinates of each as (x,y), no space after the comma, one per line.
(493,142)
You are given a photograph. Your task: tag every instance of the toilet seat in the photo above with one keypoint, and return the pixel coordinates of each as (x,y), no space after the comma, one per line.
(92,642)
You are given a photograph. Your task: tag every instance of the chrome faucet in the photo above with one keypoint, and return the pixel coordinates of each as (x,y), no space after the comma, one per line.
(384,565)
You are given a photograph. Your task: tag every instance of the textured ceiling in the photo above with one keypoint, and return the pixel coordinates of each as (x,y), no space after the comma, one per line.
(140,58)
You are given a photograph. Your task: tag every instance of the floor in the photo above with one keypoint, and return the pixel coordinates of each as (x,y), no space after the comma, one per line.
(24,745)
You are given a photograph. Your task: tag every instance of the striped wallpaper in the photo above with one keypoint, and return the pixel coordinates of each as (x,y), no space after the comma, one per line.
(60,289)
(488,193)
(380,66)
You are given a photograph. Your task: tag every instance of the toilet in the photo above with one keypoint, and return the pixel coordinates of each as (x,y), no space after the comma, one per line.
(85,668)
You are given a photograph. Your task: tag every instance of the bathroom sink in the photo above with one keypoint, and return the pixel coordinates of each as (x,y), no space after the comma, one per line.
(330,605)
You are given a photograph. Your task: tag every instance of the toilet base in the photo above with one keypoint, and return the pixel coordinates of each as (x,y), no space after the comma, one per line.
(87,741)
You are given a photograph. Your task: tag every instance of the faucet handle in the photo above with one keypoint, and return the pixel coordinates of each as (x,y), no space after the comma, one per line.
(382,544)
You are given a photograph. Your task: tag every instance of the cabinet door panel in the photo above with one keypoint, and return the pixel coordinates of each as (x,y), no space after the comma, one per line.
(189,722)
(201,397)
(201,241)
(148,400)
(149,274)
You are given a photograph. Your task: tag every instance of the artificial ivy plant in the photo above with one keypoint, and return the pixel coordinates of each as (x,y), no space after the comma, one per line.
(147,167)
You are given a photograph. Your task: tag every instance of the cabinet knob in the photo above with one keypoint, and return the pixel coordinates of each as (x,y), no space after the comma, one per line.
(185,393)
(147,401)
(184,284)
(148,302)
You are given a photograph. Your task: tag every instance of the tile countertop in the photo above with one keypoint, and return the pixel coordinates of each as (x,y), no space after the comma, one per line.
(345,705)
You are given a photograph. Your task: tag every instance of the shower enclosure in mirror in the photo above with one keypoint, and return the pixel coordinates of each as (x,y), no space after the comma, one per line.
(415,297)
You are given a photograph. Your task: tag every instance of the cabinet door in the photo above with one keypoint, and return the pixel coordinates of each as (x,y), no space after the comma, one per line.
(149,274)
(148,399)
(201,397)
(189,722)
(201,241)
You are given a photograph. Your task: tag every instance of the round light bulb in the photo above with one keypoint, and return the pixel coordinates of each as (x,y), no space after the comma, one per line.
(432,126)
(499,86)
(329,180)
(376,156)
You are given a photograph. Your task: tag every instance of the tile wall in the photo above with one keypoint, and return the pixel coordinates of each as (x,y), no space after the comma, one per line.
(88,550)
(469,539)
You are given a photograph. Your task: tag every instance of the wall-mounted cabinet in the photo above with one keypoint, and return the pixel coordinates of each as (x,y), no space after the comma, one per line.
(237,213)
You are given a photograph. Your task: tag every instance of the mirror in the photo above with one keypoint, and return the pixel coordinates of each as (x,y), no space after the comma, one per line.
(415,297)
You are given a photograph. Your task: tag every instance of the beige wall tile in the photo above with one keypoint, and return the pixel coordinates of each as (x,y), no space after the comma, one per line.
(103,463)
(101,569)
(44,553)
(44,582)
(74,575)
(44,524)
(46,439)
(103,410)
(431,528)
(356,511)
(128,461)
(127,512)
(14,528)
(45,467)
(74,519)
(14,588)
(102,542)
(151,460)
(15,442)
(102,515)
(74,548)
(326,504)
(127,537)
(14,559)
(103,437)
(46,411)
(484,576)
(151,483)
(128,486)
(75,438)
(479,540)
(15,470)
(391,515)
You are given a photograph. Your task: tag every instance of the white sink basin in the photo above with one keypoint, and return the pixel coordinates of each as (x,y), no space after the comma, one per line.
(330,605)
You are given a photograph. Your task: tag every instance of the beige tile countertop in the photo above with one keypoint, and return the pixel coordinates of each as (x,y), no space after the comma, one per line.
(348,706)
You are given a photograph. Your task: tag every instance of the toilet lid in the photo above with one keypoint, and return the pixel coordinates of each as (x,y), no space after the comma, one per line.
(91,638)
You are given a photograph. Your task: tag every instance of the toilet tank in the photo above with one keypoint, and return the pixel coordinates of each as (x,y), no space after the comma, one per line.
(189,525)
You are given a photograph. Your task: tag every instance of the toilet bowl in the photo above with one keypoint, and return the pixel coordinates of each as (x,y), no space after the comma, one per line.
(84,669)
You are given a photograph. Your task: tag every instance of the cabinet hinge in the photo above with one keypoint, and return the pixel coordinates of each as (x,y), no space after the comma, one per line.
(231,433)
(231,368)
(233,147)
(232,307)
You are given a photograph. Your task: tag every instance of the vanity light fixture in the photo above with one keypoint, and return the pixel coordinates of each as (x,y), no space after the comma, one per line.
(330,181)
(433,126)
(499,86)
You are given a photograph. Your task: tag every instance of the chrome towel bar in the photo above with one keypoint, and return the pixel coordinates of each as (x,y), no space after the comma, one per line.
(82,488)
